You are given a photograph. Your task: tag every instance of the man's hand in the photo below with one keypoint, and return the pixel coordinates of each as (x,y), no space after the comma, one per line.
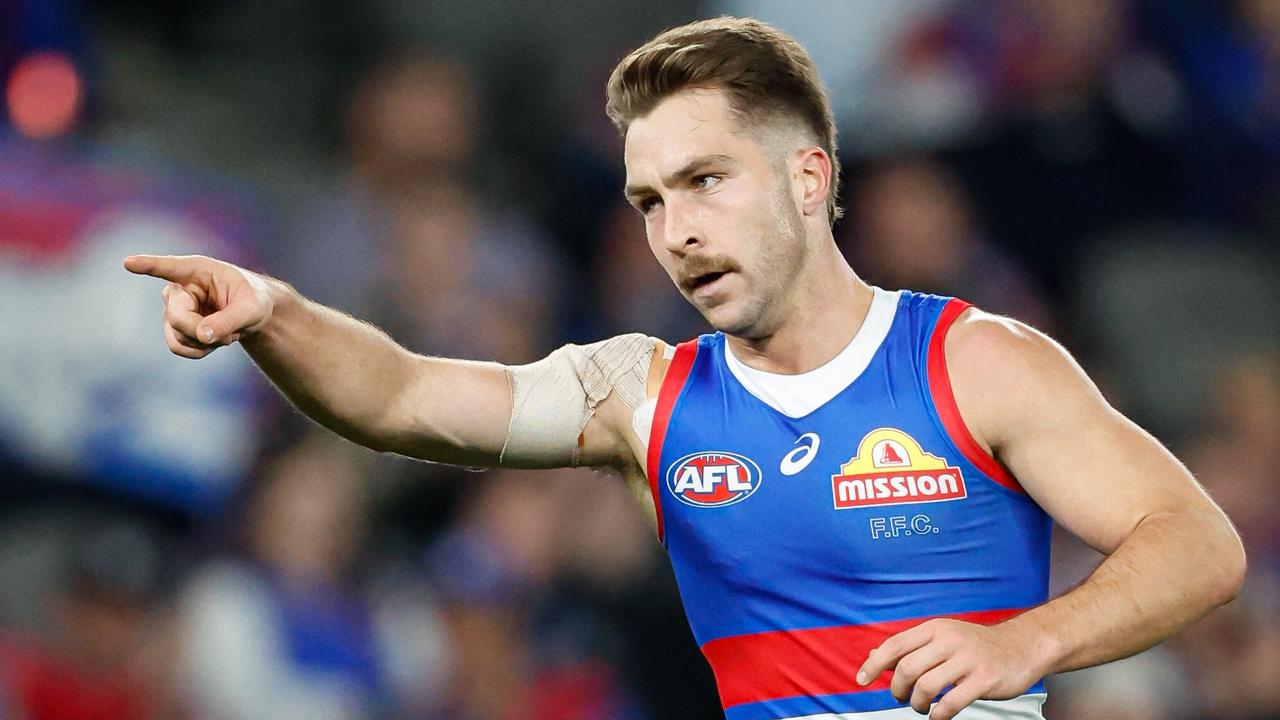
(981,661)
(207,303)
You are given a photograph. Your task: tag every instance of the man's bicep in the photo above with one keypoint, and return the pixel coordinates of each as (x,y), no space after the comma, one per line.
(573,407)
(1093,470)
(452,411)
(1099,475)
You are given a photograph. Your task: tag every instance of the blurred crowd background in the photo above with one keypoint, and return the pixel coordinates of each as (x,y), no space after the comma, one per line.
(175,542)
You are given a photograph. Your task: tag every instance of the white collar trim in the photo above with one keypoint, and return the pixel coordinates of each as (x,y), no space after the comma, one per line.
(798,395)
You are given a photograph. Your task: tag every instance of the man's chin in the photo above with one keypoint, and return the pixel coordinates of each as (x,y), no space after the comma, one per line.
(730,318)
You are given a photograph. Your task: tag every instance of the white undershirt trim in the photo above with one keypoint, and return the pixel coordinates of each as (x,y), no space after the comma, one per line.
(1023,707)
(798,395)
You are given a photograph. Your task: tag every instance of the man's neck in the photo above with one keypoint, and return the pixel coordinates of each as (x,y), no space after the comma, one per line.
(823,318)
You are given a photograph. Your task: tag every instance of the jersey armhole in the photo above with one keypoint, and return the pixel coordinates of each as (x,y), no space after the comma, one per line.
(672,382)
(944,401)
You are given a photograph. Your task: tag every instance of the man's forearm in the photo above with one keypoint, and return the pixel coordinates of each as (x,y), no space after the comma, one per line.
(1172,569)
(340,371)
(346,374)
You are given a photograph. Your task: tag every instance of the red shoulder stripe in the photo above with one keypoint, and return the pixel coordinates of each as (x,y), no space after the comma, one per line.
(945,401)
(672,384)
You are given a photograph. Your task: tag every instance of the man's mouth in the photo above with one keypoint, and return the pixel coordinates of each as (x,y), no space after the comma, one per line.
(701,272)
(699,282)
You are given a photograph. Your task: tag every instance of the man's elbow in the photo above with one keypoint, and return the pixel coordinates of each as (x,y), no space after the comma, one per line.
(1230,562)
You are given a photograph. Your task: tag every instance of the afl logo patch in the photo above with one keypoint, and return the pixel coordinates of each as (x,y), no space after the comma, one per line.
(711,479)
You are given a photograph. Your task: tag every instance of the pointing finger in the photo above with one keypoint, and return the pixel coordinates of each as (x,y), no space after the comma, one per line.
(169,267)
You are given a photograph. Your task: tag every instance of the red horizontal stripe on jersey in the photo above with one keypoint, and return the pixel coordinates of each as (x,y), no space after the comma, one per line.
(820,661)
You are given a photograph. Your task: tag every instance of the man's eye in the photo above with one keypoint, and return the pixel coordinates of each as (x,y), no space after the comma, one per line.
(648,204)
(702,182)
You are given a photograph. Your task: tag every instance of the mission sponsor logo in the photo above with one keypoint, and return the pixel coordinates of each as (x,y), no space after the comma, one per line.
(892,469)
(711,479)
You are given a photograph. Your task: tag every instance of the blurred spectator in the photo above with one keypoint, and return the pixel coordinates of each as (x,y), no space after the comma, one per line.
(1232,655)
(1235,652)
(912,225)
(1164,307)
(1229,54)
(522,649)
(107,655)
(299,628)
(1022,55)
(1064,92)
(413,117)
(462,280)
(421,251)
(851,44)
(1237,456)
(615,597)
(490,567)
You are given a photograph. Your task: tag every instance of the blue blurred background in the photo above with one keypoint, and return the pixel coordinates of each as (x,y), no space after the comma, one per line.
(175,542)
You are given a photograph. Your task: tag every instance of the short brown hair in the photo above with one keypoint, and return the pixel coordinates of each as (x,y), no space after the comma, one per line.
(766,73)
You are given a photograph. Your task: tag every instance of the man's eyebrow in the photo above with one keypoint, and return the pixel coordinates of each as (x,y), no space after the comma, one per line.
(690,168)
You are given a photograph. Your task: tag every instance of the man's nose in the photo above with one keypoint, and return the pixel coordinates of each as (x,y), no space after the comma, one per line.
(683,229)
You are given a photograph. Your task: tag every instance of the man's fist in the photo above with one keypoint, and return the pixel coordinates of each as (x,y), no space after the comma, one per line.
(207,303)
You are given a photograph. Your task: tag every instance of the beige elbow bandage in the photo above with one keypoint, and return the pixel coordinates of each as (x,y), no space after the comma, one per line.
(552,399)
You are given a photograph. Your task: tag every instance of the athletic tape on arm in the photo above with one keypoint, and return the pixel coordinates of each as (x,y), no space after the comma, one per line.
(552,399)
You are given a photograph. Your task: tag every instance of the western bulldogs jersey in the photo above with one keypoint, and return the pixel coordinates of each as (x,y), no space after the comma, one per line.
(810,517)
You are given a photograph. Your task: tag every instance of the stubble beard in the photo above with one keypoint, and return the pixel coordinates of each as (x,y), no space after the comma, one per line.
(781,253)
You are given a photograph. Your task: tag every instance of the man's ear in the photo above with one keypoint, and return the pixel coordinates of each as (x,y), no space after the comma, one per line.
(812,171)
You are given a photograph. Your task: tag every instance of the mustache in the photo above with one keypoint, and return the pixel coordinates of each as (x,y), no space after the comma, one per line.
(696,266)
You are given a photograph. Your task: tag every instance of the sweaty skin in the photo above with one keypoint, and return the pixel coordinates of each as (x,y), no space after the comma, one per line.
(737,217)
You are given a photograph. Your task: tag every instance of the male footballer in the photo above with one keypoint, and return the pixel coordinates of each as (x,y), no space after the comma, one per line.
(855,486)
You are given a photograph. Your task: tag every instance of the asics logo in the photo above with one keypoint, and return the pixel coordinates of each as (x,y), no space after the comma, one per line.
(799,458)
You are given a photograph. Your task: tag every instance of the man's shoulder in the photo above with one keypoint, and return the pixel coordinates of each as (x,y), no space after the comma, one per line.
(624,345)
(976,331)
(998,350)
(1005,373)
(621,365)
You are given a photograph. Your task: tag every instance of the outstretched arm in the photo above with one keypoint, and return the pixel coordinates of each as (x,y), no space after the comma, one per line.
(355,380)
(1171,553)
(346,374)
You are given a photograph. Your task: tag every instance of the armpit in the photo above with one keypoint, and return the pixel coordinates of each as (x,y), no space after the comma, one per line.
(642,415)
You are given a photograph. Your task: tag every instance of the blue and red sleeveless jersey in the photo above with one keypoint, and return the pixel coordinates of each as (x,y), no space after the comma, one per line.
(803,539)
